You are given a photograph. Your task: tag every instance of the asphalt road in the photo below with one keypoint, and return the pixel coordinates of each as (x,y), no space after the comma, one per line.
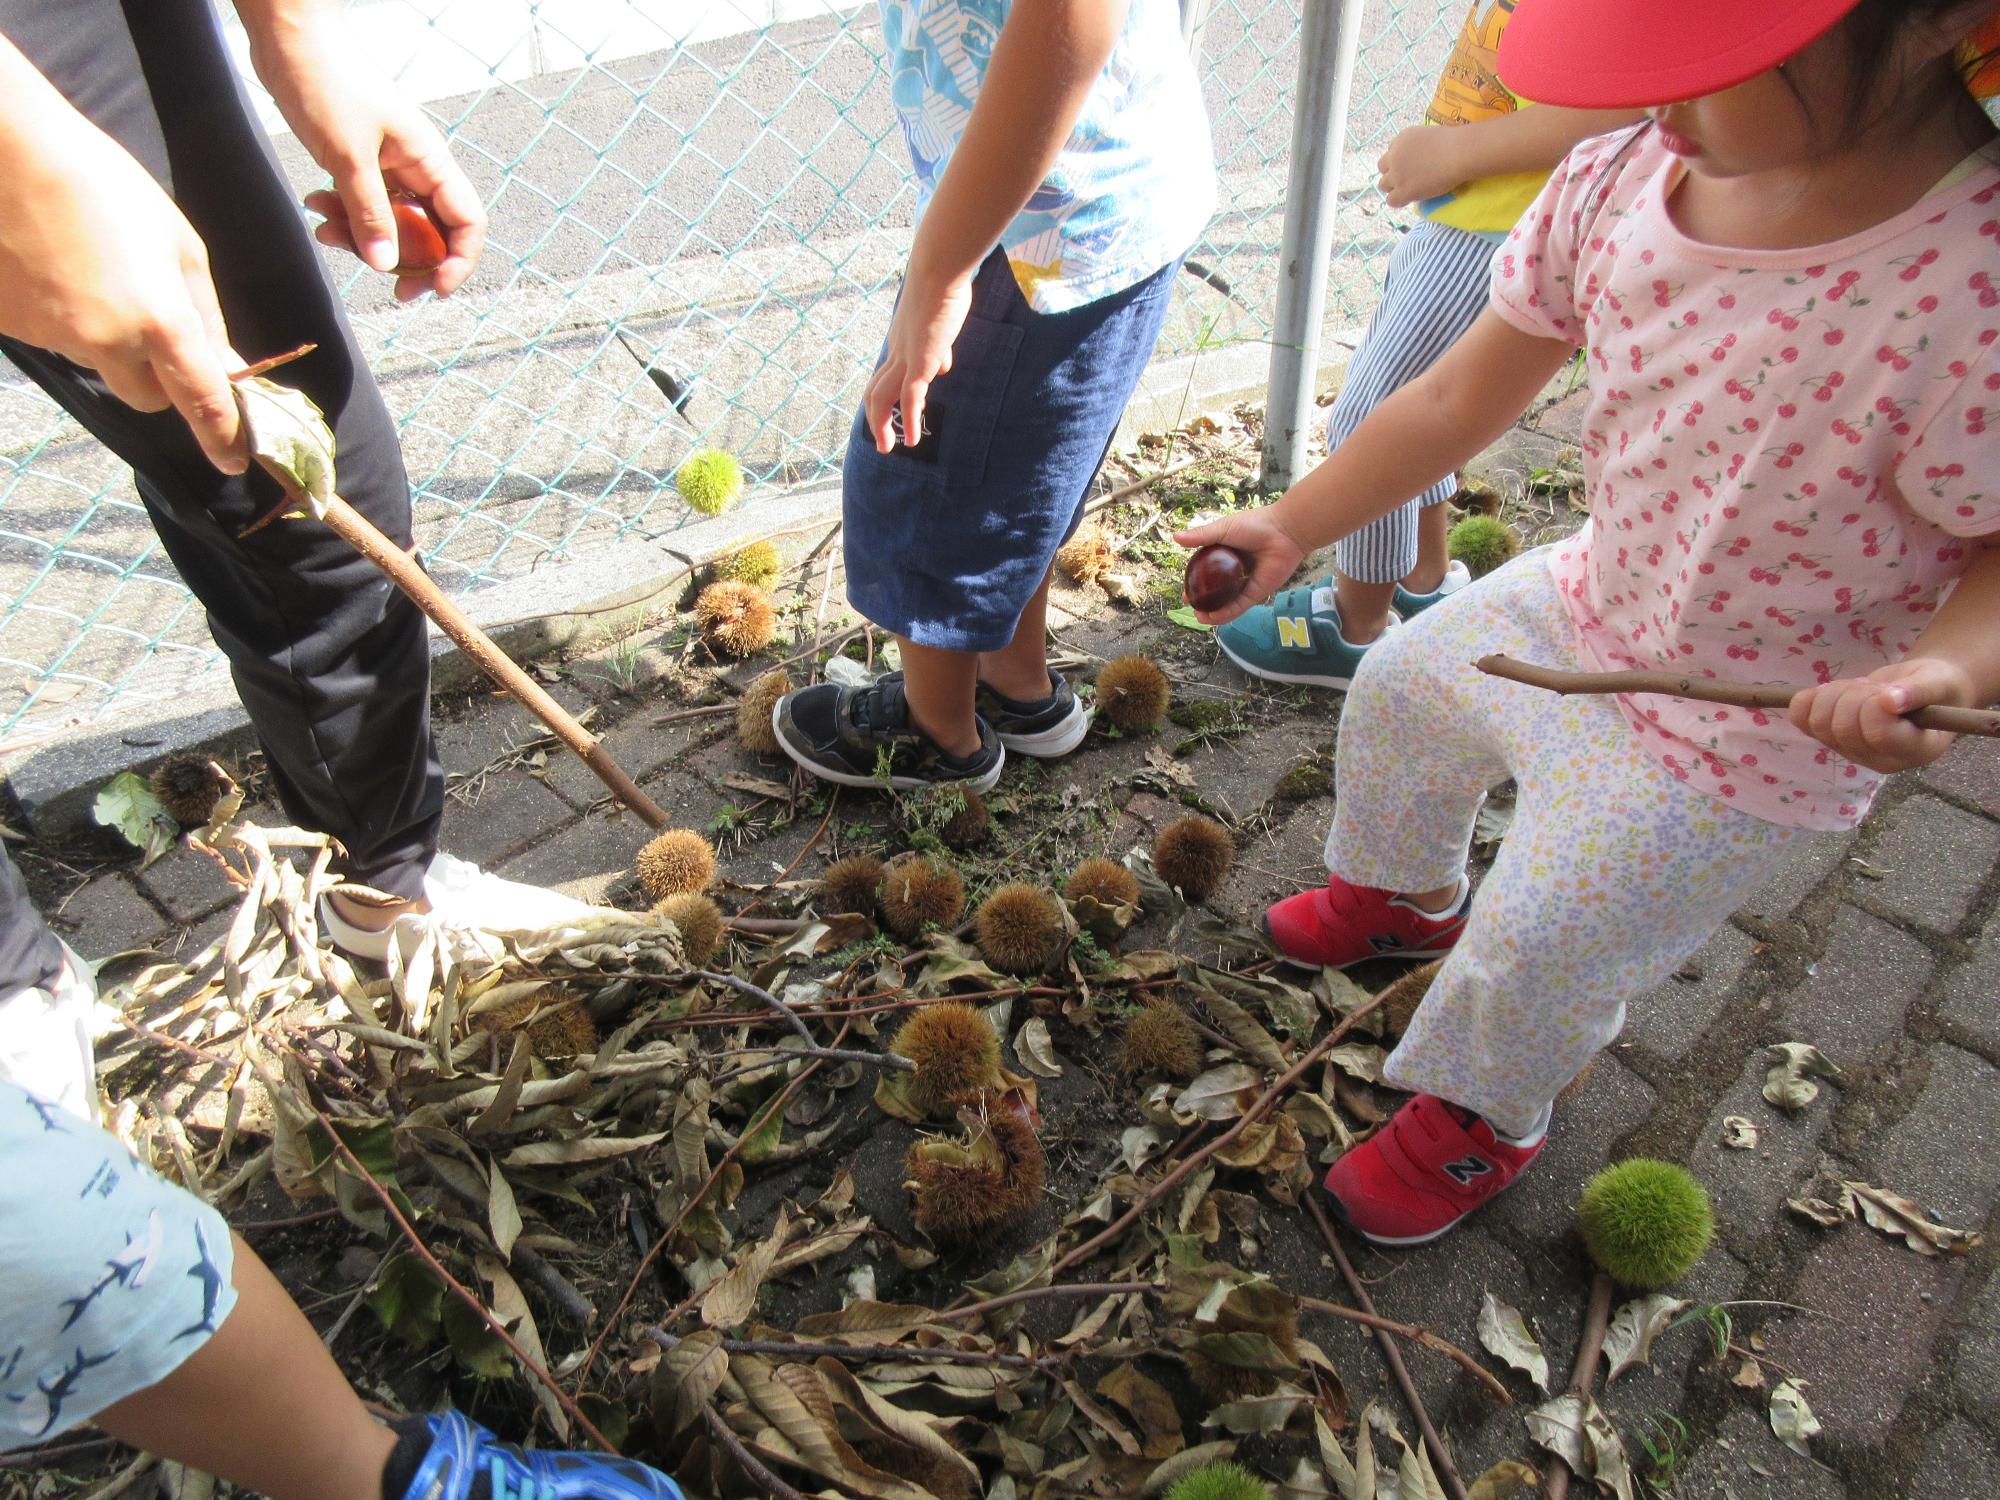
(738,210)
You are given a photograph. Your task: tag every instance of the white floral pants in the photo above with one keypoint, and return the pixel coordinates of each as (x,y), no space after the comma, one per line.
(1611,874)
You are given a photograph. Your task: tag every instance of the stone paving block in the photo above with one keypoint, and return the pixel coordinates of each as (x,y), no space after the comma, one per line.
(1877,1310)
(188,883)
(592,858)
(1749,1188)
(1978,1369)
(1855,996)
(1542,1202)
(1959,1462)
(1817,856)
(1240,775)
(639,744)
(1970,769)
(1673,1017)
(492,723)
(107,916)
(1645,1391)
(1945,1152)
(1745,1462)
(1970,1000)
(500,814)
(1271,867)
(1936,856)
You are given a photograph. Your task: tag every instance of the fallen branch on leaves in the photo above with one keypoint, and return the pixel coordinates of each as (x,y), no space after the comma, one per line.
(1583,1374)
(746,1460)
(1429,1340)
(864,1354)
(1447,1471)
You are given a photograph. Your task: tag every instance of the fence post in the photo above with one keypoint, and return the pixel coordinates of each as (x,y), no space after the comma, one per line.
(1194,18)
(1328,39)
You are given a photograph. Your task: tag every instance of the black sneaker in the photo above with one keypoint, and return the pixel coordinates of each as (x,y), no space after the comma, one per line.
(1041,727)
(862,736)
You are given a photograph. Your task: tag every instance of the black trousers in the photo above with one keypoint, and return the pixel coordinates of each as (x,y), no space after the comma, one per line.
(329,659)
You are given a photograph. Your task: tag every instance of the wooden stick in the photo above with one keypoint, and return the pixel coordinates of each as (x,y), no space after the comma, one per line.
(745,1459)
(1583,1374)
(1447,1471)
(863,1354)
(1434,1342)
(402,570)
(1980,721)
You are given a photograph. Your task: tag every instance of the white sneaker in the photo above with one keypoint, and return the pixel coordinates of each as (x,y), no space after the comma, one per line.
(46,1036)
(466,902)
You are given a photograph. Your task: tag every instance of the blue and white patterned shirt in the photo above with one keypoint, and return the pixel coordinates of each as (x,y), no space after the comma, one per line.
(1135,183)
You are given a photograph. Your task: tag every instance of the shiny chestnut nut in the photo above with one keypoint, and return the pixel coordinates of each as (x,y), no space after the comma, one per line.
(1215,576)
(420,245)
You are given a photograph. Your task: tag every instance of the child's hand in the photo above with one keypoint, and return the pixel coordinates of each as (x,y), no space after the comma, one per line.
(1863,717)
(1273,552)
(928,318)
(1421,162)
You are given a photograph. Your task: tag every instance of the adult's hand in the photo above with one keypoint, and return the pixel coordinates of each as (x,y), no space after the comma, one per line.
(370,140)
(98,265)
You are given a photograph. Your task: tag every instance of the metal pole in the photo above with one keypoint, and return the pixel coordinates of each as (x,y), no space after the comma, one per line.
(1328,40)
(1194,17)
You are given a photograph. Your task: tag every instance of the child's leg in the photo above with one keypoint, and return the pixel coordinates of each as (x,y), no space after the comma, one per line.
(1020,669)
(1435,288)
(1611,874)
(1433,545)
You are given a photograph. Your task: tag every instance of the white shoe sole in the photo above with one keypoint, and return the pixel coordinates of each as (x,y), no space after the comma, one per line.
(1391,1242)
(840,777)
(1296,679)
(1057,740)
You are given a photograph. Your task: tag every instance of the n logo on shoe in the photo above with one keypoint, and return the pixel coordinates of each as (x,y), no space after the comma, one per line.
(1293,630)
(1466,1168)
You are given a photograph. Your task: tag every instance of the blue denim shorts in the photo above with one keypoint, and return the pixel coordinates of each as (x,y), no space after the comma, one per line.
(947,542)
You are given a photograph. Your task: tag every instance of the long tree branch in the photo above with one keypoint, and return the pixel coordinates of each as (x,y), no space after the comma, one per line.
(1431,1341)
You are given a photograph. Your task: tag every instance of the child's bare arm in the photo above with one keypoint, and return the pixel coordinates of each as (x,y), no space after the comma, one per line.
(1044,63)
(1427,160)
(1955,661)
(1414,438)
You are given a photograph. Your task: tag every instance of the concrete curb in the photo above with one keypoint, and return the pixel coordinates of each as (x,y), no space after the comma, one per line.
(573,606)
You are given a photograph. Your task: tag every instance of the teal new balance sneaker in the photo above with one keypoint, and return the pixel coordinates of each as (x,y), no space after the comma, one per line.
(1294,638)
(1456,577)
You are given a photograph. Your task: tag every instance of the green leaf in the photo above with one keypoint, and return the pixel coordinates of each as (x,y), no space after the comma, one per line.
(479,1350)
(1183,615)
(289,437)
(129,805)
(408,1300)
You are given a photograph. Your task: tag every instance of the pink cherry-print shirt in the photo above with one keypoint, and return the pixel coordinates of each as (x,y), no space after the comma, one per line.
(1785,451)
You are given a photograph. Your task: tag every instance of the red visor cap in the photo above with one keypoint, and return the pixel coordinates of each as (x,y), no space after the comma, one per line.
(1629,54)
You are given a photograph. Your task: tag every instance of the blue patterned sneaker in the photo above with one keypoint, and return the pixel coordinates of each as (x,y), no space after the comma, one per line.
(1294,638)
(447,1456)
(1456,577)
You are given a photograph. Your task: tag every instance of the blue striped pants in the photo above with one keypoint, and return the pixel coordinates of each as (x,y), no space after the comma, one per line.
(1435,289)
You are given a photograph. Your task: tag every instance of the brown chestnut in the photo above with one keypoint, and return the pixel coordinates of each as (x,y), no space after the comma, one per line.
(420,245)
(1215,576)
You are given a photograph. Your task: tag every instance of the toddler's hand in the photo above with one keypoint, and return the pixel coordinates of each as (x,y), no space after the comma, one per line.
(1863,717)
(1273,552)
(1421,162)
(926,325)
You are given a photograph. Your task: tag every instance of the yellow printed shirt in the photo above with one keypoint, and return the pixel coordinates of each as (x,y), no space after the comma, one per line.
(1470,90)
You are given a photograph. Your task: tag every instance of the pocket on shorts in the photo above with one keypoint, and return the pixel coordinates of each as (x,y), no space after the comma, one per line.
(962,410)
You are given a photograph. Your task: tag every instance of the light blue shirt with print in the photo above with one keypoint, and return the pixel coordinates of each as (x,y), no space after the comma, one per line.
(1135,183)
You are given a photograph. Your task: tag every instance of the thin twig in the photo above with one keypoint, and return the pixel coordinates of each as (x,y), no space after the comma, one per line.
(1447,1471)
(1036,1294)
(832,802)
(1979,721)
(887,1060)
(1415,1335)
(746,1460)
(862,1354)
(454,1286)
(1255,1112)
(1126,491)
(1583,1374)
(705,711)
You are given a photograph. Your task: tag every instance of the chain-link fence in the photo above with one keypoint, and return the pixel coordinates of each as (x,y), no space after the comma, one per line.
(700,209)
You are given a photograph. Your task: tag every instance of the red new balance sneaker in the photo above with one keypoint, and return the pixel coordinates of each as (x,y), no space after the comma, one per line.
(1340,925)
(1429,1167)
